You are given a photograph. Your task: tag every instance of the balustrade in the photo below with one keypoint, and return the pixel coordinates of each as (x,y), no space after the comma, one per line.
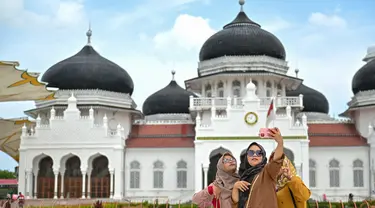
(223,103)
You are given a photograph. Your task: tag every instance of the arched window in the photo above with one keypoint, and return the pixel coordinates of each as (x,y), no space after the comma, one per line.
(181,174)
(220,89)
(135,175)
(279,89)
(268,89)
(256,85)
(208,90)
(312,173)
(236,87)
(158,174)
(334,173)
(358,173)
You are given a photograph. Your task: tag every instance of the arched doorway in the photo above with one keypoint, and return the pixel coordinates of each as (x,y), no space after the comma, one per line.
(46,178)
(289,154)
(73,178)
(100,178)
(214,158)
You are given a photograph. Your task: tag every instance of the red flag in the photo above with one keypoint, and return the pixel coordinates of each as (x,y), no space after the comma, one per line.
(271,114)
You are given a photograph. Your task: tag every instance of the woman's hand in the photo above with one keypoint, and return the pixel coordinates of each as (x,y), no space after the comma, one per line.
(242,185)
(276,135)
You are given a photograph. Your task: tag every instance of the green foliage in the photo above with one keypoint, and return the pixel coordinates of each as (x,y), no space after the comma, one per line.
(6,174)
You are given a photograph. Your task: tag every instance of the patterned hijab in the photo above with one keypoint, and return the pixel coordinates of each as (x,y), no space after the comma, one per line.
(281,180)
(225,181)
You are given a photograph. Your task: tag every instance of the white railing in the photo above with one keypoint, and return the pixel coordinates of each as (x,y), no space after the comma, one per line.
(223,103)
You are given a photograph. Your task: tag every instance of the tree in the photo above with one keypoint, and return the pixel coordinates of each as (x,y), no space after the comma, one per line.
(6,174)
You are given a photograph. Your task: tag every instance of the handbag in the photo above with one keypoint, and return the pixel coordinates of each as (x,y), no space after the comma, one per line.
(294,201)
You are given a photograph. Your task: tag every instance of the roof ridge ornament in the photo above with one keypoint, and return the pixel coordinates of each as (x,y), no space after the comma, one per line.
(241,2)
(173,72)
(89,34)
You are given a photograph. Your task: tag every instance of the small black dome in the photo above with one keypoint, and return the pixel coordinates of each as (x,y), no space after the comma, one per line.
(170,99)
(242,37)
(313,101)
(364,78)
(88,70)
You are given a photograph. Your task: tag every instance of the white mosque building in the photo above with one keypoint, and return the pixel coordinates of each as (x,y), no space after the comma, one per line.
(92,142)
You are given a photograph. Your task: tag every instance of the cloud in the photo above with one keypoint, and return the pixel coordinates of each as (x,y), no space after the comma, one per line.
(188,33)
(333,21)
(63,13)
(142,11)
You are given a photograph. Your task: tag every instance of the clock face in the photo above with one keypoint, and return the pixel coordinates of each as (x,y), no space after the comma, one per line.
(251,118)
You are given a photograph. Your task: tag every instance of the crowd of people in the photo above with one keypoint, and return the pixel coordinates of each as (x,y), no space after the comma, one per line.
(259,183)
(20,198)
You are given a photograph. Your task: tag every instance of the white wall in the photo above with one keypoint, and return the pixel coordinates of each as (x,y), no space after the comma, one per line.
(169,156)
(346,156)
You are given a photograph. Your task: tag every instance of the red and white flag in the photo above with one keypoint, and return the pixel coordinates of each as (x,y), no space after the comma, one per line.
(271,114)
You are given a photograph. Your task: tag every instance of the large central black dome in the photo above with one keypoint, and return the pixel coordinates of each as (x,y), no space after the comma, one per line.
(242,37)
(313,100)
(88,70)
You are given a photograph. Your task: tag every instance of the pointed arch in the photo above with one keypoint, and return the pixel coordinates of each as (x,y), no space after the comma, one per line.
(334,173)
(358,172)
(135,174)
(182,174)
(312,173)
(158,174)
(289,154)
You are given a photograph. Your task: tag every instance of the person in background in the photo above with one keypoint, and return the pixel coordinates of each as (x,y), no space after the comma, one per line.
(21,200)
(256,188)
(290,190)
(218,194)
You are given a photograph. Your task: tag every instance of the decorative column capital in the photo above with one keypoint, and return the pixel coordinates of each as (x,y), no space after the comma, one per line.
(112,171)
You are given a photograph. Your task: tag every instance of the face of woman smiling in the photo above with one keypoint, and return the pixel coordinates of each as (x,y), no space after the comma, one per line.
(254,155)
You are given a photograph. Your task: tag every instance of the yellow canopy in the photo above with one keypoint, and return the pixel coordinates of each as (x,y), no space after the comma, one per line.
(19,85)
(10,135)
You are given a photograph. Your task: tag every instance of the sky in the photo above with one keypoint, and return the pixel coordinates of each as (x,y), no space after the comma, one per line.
(325,39)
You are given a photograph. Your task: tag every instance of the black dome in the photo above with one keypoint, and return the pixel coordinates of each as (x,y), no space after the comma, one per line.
(170,99)
(242,37)
(88,70)
(364,78)
(313,100)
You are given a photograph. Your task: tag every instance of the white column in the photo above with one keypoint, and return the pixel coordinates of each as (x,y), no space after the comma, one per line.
(36,184)
(118,166)
(56,172)
(89,184)
(111,172)
(29,184)
(198,165)
(21,171)
(205,169)
(62,174)
(304,168)
(83,184)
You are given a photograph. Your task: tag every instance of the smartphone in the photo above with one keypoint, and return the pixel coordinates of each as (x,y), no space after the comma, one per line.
(264,133)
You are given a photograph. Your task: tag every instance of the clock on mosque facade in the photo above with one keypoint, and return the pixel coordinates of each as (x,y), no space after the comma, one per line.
(251,118)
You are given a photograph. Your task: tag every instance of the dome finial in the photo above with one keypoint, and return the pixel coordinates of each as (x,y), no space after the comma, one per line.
(173,72)
(296,71)
(88,34)
(241,2)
